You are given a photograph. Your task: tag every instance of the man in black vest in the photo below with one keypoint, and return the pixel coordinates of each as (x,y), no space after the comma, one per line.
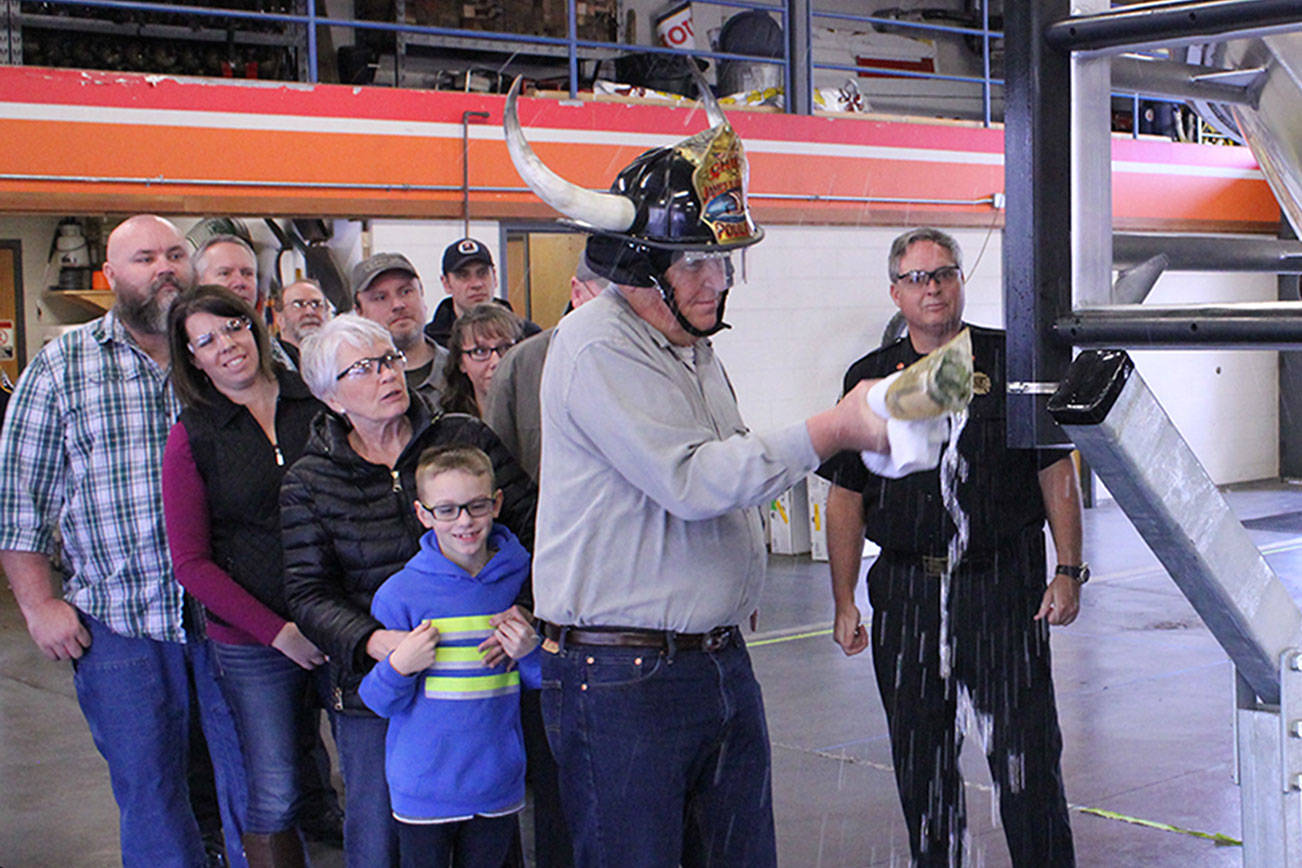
(993,673)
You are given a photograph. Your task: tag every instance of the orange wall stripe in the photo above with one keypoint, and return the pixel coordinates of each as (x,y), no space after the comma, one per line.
(70,124)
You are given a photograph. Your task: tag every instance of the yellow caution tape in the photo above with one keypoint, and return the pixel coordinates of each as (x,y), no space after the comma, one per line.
(776,639)
(1215,837)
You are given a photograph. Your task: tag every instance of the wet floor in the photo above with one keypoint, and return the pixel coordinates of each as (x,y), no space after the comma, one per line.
(1144,701)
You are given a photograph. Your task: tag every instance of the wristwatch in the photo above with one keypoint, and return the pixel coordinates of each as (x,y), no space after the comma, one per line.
(1080,573)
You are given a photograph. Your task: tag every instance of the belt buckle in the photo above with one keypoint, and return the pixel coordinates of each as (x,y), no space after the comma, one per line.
(934,566)
(716,640)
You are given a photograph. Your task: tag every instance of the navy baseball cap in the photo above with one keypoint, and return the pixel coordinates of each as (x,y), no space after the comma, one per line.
(458,253)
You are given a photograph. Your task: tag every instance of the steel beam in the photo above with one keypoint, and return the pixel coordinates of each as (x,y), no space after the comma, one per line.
(1121,430)
(1173,23)
(1242,326)
(1182,81)
(800,72)
(1091,174)
(1037,226)
(1208,253)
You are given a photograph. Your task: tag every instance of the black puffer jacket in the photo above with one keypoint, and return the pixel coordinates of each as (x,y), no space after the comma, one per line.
(349,524)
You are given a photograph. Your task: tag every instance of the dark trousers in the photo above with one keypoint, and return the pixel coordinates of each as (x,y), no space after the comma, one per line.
(480,842)
(551,837)
(1000,671)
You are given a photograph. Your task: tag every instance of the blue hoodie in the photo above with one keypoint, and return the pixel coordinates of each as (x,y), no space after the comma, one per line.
(454,746)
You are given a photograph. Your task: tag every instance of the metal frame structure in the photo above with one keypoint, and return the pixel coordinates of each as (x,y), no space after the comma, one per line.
(797,18)
(1058,292)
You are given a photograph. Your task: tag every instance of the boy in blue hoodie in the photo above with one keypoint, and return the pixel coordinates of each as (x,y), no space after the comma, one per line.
(454,753)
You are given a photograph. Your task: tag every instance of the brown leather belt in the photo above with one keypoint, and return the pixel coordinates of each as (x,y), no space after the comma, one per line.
(634,637)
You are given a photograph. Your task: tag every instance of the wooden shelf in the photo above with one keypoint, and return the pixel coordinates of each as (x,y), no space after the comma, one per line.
(65,304)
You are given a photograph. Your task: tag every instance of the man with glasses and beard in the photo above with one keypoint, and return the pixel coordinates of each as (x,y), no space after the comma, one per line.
(81,465)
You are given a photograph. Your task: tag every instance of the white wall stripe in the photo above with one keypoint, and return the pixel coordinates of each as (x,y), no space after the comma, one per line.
(193,119)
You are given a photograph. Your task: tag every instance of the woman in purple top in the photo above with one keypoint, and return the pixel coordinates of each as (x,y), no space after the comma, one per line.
(245,421)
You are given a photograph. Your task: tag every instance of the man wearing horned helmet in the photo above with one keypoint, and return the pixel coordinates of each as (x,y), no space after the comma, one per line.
(649,551)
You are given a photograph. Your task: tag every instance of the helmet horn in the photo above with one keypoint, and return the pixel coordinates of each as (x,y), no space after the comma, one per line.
(607,211)
(713,111)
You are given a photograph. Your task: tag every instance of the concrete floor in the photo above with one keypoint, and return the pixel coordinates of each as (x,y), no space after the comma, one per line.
(1144,699)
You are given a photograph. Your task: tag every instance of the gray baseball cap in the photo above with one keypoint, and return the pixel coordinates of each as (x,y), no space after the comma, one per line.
(365,272)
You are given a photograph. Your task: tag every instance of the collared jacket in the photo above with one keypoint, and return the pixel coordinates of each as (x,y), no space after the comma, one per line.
(440,325)
(349,524)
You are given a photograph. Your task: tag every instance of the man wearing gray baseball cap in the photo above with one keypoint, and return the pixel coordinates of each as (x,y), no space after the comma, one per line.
(387,289)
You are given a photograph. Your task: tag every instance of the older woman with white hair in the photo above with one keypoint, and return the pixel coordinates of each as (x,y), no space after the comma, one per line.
(348,523)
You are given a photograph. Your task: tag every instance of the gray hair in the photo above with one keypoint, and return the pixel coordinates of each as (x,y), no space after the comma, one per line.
(901,245)
(318,364)
(278,294)
(200,258)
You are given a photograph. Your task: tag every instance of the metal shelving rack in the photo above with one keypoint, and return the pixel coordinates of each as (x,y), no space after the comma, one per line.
(502,44)
(292,36)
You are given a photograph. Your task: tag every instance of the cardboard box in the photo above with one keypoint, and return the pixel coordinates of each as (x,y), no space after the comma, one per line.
(789,521)
(433,13)
(818,488)
(593,19)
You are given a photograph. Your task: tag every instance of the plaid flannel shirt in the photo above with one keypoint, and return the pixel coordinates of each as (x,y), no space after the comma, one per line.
(82,450)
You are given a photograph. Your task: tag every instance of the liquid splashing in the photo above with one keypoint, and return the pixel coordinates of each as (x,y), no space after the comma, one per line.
(953,471)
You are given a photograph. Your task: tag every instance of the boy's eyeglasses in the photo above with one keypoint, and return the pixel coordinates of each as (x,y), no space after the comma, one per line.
(477,508)
(230,328)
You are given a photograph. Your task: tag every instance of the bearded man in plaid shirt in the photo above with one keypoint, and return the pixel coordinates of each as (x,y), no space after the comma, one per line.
(81,455)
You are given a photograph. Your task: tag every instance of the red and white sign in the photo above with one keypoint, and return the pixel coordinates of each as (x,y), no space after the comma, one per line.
(6,340)
(674,28)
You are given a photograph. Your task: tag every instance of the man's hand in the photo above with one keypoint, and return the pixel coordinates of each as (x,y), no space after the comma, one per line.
(415,653)
(55,628)
(491,648)
(291,642)
(851,424)
(1061,603)
(381,642)
(848,630)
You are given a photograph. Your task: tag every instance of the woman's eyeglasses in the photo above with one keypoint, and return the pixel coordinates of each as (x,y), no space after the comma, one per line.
(481,353)
(372,365)
(230,329)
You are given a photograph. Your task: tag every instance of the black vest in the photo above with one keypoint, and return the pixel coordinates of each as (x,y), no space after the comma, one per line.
(242,480)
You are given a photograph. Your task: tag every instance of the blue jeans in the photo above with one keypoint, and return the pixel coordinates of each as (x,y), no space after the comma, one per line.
(370,832)
(664,760)
(135,695)
(266,690)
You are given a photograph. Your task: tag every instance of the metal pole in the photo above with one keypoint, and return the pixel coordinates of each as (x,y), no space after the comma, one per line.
(1091,175)
(1208,253)
(985,60)
(465,161)
(1253,325)
(1037,228)
(1129,27)
(800,99)
(572,22)
(312,73)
